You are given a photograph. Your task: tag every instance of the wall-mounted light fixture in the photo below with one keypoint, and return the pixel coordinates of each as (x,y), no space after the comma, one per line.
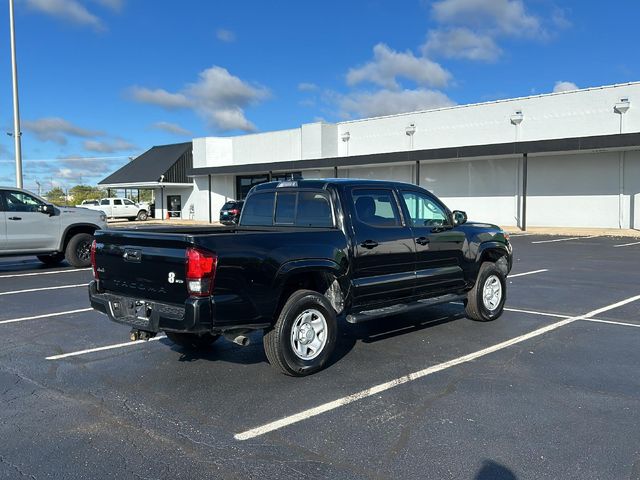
(410,130)
(346,136)
(622,106)
(517,117)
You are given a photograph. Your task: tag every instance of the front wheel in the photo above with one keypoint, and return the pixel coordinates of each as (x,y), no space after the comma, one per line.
(304,336)
(78,251)
(192,341)
(143,215)
(485,302)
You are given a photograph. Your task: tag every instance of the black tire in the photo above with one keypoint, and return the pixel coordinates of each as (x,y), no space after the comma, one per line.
(278,343)
(78,251)
(53,259)
(142,215)
(192,341)
(475,307)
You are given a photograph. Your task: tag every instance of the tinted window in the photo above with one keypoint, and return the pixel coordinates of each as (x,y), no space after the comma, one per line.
(117,202)
(258,210)
(423,210)
(229,206)
(104,202)
(376,207)
(128,202)
(21,202)
(286,207)
(314,210)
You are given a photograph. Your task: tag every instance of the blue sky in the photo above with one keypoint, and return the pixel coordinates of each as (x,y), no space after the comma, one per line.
(104,80)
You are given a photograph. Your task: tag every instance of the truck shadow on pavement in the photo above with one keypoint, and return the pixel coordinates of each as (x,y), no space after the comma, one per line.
(348,336)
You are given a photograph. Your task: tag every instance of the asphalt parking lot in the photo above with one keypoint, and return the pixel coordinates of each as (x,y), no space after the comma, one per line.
(549,390)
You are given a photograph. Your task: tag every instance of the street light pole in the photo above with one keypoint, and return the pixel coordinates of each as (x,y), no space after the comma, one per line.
(16,108)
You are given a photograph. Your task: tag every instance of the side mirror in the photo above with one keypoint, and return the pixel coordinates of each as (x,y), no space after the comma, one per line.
(47,209)
(459,217)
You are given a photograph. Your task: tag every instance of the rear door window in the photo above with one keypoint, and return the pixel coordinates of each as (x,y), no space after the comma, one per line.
(376,207)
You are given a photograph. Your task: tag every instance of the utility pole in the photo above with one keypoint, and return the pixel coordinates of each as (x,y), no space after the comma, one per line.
(16,108)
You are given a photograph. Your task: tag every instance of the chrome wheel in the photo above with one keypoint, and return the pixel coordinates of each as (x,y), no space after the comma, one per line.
(492,293)
(309,334)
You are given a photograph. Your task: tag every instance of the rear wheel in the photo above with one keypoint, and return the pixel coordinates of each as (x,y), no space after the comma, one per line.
(485,302)
(192,341)
(143,215)
(53,259)
(304,336)
(78,251)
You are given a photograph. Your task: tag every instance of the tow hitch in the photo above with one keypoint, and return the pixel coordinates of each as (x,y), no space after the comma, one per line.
(136,335)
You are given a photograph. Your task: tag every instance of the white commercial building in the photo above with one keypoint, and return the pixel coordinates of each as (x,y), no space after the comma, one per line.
(561,159)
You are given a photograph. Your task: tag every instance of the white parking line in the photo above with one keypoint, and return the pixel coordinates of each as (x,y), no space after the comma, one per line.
(529,273)
(47,315)
(533,312)
(107,347)
(565,239)
(520,234)
(626,244)
(54,272)
(624,324)
(312,412)
(15,292)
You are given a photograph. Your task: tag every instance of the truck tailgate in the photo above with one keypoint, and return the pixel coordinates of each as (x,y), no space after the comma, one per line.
(144,265)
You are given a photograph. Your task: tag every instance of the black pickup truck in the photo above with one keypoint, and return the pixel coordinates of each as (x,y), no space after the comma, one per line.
(304,254)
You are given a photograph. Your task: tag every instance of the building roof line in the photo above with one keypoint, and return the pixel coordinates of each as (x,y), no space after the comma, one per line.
(491,102)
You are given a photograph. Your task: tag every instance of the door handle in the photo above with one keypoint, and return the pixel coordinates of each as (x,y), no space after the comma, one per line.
(422,240)
(369,244)
(15,218)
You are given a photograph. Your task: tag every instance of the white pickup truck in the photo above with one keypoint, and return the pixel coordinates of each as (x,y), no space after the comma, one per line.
(121,208)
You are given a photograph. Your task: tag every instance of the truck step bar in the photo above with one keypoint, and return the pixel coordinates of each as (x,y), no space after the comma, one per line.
(367,315)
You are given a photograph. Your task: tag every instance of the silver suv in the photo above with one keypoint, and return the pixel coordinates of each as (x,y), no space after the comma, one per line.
(29,225)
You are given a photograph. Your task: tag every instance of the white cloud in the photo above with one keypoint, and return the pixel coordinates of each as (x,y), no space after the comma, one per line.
(55,129)
(70,10)
(388,65)
(172,128)
(388,102)
(502,16)
(307,87)
(561,86)
(160,97)
(117,145)
(461,42)
(218,96)
(225,35)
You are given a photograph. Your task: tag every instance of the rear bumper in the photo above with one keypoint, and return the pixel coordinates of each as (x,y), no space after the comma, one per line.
(195,316)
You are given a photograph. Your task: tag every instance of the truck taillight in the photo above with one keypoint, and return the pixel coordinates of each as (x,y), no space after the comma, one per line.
(201,271)
(234,211)
(93,260)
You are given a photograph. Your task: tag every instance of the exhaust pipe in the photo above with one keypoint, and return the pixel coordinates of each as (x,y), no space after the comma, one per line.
(241,340)
(237,338)
(136,335)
